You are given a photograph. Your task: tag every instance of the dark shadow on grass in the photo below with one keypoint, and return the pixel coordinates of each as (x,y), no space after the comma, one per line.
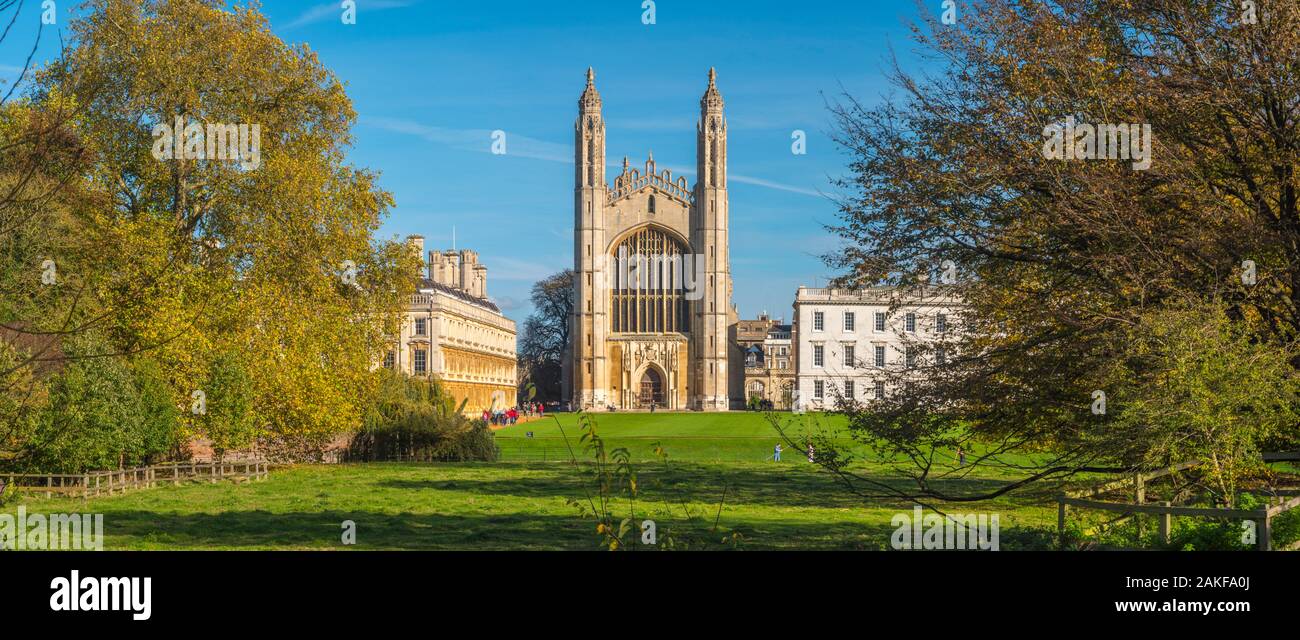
(379,531)
(783,486)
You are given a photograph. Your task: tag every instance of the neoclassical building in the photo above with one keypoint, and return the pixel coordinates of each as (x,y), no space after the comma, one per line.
(652,301)
(853,344)
(452,331)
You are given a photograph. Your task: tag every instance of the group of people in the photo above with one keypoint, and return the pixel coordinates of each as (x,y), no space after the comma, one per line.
(507,417)
(776,453)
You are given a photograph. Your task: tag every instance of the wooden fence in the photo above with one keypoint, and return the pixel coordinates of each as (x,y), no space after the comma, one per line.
(98,483)
(1262,517)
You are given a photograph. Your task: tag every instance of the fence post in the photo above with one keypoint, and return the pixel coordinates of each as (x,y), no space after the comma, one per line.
(1060,521)
(1140,497)
(1263,532)
(1166,523)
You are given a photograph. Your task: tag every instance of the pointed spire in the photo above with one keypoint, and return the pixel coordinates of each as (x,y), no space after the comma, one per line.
(625,164)
(590,100)
(712,100)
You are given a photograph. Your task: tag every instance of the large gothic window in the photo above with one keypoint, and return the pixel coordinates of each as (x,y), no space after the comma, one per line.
(652,271)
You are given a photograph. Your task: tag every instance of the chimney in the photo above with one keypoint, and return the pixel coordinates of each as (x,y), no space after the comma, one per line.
(480,281)
(438,267)
(453,268)
(417,244)
(468,260)
(447,271)
(459,270)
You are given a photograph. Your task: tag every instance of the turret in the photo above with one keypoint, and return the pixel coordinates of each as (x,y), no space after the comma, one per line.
(709,239)
(588,363)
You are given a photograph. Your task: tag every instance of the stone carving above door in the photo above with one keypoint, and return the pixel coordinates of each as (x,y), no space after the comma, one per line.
(661,353)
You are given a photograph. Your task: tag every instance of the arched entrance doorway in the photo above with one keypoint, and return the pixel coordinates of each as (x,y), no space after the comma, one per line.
(652,389)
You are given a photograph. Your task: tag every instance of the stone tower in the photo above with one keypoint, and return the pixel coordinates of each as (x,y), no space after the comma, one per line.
(589,250)
(652,282)
(709,237)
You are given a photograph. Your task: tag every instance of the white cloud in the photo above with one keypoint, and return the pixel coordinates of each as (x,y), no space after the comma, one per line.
(509,303)
(759,182)
(333,10)
(525,147)
(476,139)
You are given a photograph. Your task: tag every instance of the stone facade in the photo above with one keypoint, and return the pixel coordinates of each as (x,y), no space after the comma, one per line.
(452,331)
(847,340)
(767,349)
(652,313)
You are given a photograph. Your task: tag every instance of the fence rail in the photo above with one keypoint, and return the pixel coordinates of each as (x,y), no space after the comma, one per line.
(1165,510)
(98,483)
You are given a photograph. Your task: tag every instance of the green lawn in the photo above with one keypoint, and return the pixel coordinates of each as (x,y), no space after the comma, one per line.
(516,504)
(696,437)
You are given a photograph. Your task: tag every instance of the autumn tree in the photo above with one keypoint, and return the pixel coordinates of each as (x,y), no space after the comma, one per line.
(46,294)
(1087,276)
(276,242)
(215,217)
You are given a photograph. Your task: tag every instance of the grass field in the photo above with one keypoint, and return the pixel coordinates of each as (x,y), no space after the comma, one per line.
(696,437)
(524,503)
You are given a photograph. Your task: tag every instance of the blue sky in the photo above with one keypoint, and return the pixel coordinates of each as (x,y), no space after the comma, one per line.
(431,79)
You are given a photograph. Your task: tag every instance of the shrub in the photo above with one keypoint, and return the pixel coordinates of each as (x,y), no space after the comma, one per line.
(227,418)
(102,413)
(159,418)
(417,420)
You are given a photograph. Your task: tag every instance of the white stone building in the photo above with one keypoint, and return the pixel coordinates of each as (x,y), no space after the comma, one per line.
(453,332)
(848,339)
